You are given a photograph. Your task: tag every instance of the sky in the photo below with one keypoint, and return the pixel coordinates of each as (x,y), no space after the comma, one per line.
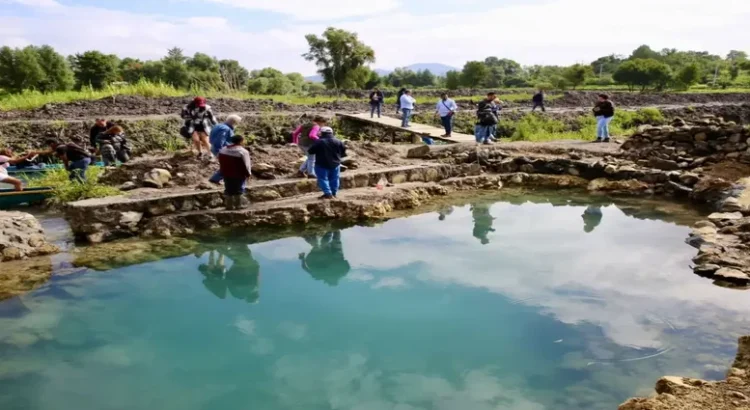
(262,33)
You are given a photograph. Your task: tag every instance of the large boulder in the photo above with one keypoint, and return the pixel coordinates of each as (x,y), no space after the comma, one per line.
(21,237)
(156,178)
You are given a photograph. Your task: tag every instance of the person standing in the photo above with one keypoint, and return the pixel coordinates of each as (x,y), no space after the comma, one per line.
(604,111)
(304,137)
(236,168)
(538,100)
(407,107)
(198,122)
(328,152)
(220,138)
(487,119)
(398,100)
(446,109)
(376,102)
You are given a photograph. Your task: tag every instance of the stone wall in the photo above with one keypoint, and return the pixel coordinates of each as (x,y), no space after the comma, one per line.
(686,146)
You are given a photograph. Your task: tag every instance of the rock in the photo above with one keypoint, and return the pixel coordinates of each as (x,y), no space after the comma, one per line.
(128,186)
(711,190)
(689,178)
(663,164)
(418,152)
(679,188)
(731,204)
(263,168)
(623,186)
(527,168)
(732,275)
(735,138)
(156,178)
(701,136)
(610,169)
(350,162)
(724,216)
(130,219)
(707,270)
(704,224)
(574,171)
(507,165)
(21,236)
(205,186)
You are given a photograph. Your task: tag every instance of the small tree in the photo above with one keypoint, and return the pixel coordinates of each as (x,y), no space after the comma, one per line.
(95,69)
(19,69)
(452,80)
(233,74)
(576,74)
(643,73)
(58,76)
(474,74)
(687,76)
(338,55)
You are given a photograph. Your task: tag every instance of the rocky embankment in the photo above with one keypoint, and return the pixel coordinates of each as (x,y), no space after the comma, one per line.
(21,237)
(682,393)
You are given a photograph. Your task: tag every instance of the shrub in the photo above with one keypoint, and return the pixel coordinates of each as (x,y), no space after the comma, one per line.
(68,191)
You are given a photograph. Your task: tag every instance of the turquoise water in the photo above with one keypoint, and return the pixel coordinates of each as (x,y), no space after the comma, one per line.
(484,306)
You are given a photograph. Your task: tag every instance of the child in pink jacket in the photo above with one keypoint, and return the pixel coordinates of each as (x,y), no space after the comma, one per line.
(304,137)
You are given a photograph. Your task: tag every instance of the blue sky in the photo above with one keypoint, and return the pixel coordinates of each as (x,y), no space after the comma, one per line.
(262,33)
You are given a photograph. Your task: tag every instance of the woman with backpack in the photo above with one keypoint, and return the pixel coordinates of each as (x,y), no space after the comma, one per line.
(198,122)
(487,119)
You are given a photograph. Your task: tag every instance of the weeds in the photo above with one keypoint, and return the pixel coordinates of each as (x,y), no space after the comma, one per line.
(65,191)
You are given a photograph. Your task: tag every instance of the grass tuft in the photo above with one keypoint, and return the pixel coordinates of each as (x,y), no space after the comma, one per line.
(68,191)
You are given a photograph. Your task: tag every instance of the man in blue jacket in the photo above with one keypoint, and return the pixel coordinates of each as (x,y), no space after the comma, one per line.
(219,138)
(328,152)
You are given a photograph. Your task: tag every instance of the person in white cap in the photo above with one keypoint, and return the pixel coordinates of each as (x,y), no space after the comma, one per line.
(328,152)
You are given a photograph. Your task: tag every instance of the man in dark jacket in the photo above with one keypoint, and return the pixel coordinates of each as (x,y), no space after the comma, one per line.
(538,100)
(99,127)
(604,111)
(328,152)
(376,102)
(236,168)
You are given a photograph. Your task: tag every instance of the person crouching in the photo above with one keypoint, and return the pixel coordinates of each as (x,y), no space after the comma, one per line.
(235,167)
(328,152)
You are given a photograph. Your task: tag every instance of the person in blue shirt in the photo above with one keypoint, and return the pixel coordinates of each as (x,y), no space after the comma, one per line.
(220,138)
(446,109)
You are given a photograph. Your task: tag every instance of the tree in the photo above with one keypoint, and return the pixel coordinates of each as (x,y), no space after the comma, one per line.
(643,73)
(233,74)
(474,74)
(687,76)
(576,74)
(203,62)
(19,69)
(58,76)
(373,81)
(644,52)
(452,80)
(607,64)
(95,69)
(131,70)
(338,54)
(176,71)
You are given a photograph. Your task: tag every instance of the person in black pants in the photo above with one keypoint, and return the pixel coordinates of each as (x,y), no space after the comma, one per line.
(376,102)
(538,100)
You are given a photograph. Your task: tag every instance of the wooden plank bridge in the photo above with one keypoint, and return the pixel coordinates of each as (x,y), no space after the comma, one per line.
(415,129)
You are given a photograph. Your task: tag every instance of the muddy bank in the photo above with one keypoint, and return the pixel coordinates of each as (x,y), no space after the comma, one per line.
(120,106)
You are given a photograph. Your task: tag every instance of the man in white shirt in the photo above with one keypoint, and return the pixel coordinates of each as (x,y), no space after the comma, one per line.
(407,106)
(446,109)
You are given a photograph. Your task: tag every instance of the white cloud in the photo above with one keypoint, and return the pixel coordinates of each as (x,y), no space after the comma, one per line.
(320,10)
(550,32)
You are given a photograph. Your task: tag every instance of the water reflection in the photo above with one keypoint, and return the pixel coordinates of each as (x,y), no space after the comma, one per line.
(325,261)
(241,280)
(482,222)
(592,217)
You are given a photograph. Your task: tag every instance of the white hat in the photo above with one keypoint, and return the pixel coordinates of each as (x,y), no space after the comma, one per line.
(326,130)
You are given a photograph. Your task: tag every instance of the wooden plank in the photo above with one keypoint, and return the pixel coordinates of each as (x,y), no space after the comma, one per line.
(417,129)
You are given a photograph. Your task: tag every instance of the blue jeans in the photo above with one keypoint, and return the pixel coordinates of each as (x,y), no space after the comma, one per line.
(234,186)
(406,116)
(308,166)
(373,108)
(328,179)
(447,124)
(602,127)
(78,169)
(484,133)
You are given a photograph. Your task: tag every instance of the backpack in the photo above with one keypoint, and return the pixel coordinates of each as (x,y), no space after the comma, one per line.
(485,114)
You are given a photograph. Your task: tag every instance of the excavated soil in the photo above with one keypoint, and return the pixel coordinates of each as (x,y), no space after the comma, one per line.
(121,106)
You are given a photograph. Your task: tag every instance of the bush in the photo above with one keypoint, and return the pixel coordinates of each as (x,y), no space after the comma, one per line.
(68,191)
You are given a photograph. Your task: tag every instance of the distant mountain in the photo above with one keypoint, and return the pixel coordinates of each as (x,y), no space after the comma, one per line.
(435,68)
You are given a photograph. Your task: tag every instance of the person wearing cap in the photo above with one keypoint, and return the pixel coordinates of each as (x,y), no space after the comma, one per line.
(199,118)
(236,168)
(328,152)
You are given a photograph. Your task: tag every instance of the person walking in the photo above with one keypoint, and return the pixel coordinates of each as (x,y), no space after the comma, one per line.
(220,137)
(398,100)
(235,166)
(407,107)
(488,111)
(604,111)
(446,109)
(328,152)
(304,137)
(199,118)
(376,102)
(538,100)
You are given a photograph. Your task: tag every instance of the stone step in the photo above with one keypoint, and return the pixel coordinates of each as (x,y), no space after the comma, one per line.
(117,216)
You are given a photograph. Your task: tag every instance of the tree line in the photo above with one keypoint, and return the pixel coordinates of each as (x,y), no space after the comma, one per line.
(343,61)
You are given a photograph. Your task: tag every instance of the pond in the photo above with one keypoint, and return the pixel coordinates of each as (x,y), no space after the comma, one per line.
(492,305)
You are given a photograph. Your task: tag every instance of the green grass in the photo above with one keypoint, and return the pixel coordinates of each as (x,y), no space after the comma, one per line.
(68,191)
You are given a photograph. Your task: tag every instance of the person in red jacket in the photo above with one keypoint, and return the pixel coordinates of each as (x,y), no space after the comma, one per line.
(235,166)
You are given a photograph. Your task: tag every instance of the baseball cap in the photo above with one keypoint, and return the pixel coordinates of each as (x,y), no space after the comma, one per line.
(200,101)
(326,130)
